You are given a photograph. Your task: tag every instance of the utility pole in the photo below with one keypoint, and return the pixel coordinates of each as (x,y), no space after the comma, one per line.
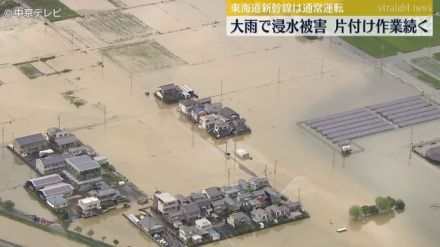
(105,115)
(275,169)
(265,170)
(299,194)
(229,176)
(72,42)
(3,136)
(221,91)
(410,145)
(59,121)
(131,83)
(235,149)
(322,66)
(192,135)
(226,151)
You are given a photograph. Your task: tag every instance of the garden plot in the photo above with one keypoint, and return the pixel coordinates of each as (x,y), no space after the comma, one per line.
(115,27)
(144,56)
(88,7)
(29,70)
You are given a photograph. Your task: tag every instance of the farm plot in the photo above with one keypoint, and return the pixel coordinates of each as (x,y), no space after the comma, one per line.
(29,70)
(144,56)
(113,27)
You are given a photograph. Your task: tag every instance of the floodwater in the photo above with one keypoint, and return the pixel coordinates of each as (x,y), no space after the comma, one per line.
(157,150)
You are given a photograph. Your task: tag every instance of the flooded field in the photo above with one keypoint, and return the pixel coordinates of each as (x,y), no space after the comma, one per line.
(272,82)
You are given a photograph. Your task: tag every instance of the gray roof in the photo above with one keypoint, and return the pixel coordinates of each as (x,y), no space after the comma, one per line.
(63,140)
(191,208)
(213,192)
(83,163)
(167,87)
(240,216)
(55,159)
(196,197)
(149,222)
(218,203)
(204,101)
(188,230)
(56,189)
(187,102)
(228,112)
(31,139)
(56,200)
(45,180)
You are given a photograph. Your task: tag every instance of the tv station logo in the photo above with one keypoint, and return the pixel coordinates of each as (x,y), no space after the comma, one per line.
(329,18)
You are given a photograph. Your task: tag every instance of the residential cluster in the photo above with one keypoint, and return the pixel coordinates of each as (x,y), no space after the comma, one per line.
(217,213)
(69,170)
(215,119)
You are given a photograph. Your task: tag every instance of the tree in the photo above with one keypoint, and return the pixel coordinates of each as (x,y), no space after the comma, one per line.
(90,233)
(115,242)
(104,238)
(78,229)
(8,204)
(400,205)
(355,211)
(383,204)
(392,201)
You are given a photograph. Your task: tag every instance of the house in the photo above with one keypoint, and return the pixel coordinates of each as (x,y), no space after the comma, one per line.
(260,215)
(226,114)
(186,105)
(213,193)
(151,225)
(203,224)
(107,195)
(90,206)
(244,185)
(101,160)
(54,133)
(165,203)
(52,164)
(56,202)
(239,126)
(259,194)
(213,235)
(63,143)
(31,144)
(85,149)
(187,232)
(200,200)
(221,129)
(255,203)
(55,189)
(174,216)
(170,93)
(197,112)
(293,205)
(190,211)
(243,197)
(213,108)
(258,183)
(207,122)
(38,183)
(218,206)
(181,199)
(238,219)
(272,195)
(83,172)
(231,191)
(204,101)
(277,211)
(231,204)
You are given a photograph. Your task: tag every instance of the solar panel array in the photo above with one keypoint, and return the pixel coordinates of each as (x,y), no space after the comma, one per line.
(408,111)
(57,189)
(341,128)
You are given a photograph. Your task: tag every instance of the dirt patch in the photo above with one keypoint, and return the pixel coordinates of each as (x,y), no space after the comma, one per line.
(144,56)
(69,95)
(29,70)
(114,27)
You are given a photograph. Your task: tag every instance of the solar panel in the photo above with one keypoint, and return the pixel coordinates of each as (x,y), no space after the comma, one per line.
(419,120)
(363,133)
(344,118)
(354,130)
(352,126)
(418,115)
(409,112)
(393,102)
(407,108)
(348,122)
(328,117)
(400,105)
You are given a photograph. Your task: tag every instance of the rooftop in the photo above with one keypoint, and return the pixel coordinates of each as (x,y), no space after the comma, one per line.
(88,200)
(56,159)
(45,180)
(165,197)
(63,140)
(31,139)
(56,189)
(82,163)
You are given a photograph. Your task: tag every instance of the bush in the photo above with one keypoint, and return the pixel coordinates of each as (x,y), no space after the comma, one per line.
(8,205)
(400,205)
(355,211)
